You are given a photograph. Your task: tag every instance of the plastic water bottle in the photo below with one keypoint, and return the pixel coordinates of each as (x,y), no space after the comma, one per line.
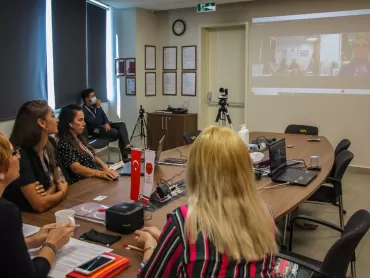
(244,134)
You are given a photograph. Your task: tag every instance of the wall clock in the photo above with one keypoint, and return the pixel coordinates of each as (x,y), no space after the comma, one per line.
(179,27)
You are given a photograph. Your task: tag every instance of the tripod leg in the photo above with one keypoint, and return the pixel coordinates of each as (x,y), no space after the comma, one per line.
(218,116)
(229,118)
(133,132)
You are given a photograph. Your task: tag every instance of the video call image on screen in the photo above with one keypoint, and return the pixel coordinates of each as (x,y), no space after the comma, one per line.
(288,57)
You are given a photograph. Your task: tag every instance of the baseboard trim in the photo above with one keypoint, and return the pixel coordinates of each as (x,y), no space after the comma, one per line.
(359,170)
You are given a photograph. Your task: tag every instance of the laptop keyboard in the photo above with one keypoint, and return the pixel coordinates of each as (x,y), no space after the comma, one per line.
(292,175)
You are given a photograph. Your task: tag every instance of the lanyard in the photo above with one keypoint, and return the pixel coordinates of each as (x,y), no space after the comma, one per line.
(46,167)
(86,149)
(91,112)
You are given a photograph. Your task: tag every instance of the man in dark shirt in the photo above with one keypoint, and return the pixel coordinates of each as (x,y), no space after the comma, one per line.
(98,124)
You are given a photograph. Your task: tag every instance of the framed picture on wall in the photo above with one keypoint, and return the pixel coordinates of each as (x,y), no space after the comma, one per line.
(150,59)
(150,84)
(189,84)
(169,81)
(170,58)
(189,57)
(131,86)
(130,66)
(120,66)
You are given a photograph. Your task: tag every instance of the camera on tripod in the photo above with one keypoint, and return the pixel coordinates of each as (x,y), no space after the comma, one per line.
(222,99)
(141,112)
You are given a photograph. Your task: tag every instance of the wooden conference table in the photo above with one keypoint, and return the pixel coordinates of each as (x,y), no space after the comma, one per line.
(282,200)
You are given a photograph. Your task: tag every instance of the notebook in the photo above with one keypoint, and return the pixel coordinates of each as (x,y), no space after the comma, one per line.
(111,270)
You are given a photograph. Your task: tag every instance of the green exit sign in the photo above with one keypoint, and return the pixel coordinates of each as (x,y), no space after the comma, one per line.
(206,7)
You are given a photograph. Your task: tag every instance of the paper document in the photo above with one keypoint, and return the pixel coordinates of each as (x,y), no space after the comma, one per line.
(75,253)
(29,230)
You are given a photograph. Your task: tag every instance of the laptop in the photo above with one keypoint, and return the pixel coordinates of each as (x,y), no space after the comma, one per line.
(126,171)
(280,171)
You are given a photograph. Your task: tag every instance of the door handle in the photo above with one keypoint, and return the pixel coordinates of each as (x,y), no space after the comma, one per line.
(162,123)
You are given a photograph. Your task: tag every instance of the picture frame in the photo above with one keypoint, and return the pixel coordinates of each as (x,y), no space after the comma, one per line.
(169,81)
(120,67)
(189,57)
(150,57)
(189,83)
(130,66)
(130,86)
(150,88)
(169,58)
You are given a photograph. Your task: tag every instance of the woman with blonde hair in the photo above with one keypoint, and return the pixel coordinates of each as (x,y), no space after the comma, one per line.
(225,230)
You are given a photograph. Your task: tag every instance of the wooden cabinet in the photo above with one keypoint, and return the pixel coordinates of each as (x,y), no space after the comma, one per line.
(171,125)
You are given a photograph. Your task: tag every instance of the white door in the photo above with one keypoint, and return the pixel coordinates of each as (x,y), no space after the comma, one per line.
(226,69)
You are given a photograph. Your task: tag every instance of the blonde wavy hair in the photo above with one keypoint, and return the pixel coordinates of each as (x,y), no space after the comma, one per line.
(224,203)
(5,153)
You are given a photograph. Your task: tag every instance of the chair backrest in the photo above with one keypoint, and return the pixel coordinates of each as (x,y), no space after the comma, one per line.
(341,162)
(343,145)
(302,129)
(190,137)
(339,256)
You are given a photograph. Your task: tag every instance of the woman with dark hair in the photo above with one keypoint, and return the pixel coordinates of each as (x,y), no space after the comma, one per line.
(39,186)
(15,259)
(76,155)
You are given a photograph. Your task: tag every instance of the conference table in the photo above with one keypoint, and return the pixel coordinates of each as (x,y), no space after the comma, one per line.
(282,200)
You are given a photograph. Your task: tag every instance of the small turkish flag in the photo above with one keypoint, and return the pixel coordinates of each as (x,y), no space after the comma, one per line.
(135,174)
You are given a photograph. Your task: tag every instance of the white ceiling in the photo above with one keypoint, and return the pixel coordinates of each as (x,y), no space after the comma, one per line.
(162,4)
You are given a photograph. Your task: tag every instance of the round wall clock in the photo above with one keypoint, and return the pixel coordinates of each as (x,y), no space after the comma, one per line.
(179,27)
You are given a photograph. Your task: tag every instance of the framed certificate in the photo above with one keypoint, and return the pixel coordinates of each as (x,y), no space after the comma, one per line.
(120,66)
(131,86)
(150,84)
(150,59)
(170,58)
(189,84)
(189,57)
(130,66)
(169,83)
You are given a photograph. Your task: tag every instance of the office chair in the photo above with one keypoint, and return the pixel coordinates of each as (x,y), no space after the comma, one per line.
(341,254)
(343,145)
(98,144)
(331,193)
(189,137)
(302,129)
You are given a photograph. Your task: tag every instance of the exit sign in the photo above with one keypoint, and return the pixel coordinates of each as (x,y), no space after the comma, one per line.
(206,7)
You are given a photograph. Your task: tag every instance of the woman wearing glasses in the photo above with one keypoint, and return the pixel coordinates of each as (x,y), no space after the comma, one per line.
(39,186)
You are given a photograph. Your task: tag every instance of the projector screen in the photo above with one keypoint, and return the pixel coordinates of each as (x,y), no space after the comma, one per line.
(323,53)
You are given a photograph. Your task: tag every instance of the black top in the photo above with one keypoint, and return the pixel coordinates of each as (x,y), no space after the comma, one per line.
(94,118)
(69,155)
(31,171)
(15,260)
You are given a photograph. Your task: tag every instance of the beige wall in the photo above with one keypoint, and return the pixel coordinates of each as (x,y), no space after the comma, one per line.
(336,116)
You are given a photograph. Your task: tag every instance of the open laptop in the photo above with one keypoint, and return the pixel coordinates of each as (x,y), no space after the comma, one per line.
(126,171)
(280,172)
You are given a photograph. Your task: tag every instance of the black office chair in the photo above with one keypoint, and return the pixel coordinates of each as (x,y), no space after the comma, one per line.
(341,254)
(343,145)
(190,137)
(302,129)
(97,143)
(332,193)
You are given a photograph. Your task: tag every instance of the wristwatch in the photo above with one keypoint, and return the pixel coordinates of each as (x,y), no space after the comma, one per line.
(51,246)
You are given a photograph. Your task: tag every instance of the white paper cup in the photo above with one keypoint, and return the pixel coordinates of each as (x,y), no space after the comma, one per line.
(66,215)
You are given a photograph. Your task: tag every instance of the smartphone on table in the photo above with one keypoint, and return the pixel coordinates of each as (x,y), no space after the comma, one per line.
(95,264)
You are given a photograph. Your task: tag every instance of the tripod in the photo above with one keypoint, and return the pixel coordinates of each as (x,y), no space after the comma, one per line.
(223,115)
(141,124)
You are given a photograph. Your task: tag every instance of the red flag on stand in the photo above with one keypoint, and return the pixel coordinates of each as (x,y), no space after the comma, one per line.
(135,174)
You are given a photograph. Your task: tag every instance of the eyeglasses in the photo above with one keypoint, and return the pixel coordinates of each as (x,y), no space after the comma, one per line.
(17,152)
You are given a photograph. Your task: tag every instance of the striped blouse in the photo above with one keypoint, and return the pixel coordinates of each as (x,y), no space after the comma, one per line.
(175,257)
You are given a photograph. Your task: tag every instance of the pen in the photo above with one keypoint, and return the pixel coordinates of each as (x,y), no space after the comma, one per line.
(127,246)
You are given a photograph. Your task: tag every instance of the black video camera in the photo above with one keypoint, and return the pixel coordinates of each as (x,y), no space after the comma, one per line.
(141,111)
(224,93)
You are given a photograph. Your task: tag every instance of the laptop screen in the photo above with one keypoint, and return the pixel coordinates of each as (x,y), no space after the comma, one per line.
(277,157)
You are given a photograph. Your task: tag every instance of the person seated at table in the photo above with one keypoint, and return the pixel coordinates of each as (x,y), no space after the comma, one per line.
(15,259)
(76,155)
(98,124)
(39,186)
(226,230)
